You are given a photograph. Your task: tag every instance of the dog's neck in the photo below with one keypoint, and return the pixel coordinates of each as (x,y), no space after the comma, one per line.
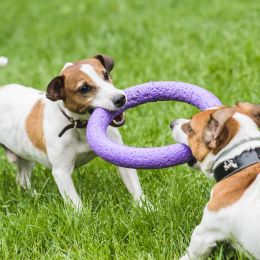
(71,114)
(237,164)
(247,138)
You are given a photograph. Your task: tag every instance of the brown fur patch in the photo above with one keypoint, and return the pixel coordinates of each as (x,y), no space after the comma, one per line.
(34,126)
(195,134)
(230,190)
(251,110)
(195,137)
(229,131)
(74,78)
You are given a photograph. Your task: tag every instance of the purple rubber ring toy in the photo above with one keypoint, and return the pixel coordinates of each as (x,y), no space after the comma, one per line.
(146,158)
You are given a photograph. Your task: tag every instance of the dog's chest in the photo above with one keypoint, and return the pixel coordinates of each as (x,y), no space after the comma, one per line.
(83,152)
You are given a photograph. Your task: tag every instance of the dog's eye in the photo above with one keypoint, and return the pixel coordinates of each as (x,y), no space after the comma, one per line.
(106,75)
(85,88)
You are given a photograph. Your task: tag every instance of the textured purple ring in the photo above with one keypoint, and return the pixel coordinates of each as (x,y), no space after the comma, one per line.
(146,158)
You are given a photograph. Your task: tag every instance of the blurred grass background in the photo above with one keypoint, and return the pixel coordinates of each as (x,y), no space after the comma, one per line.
(214,44)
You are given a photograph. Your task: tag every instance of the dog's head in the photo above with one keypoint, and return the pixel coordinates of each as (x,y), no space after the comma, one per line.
(85,85)
(210,131)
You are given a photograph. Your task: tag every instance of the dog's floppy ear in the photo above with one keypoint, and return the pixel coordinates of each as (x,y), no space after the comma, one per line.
(250,110)
(55,89)
(216,126)
(106,61)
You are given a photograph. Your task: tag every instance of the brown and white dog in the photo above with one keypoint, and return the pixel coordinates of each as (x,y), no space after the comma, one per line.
(31,122)
(226,141)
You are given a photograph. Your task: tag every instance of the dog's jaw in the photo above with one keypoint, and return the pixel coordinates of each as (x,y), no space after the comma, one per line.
(177,133)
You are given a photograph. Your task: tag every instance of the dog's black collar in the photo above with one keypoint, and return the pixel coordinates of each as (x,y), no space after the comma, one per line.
(74,123)
(232,166)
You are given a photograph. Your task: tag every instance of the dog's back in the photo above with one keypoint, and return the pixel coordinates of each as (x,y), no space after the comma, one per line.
(16,103)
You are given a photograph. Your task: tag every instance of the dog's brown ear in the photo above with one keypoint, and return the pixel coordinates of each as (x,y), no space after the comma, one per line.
(250,110)
(216,125)
(55,89)
(106,61)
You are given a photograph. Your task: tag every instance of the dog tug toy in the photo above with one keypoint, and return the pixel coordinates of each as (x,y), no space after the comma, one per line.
(146,158)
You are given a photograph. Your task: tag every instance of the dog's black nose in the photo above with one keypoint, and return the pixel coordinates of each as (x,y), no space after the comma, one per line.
(119,100)
(172,124)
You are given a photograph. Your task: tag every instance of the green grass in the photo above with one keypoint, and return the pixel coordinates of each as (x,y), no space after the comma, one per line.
(214,44)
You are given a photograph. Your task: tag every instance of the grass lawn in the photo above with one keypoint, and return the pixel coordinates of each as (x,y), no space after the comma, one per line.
(214,44)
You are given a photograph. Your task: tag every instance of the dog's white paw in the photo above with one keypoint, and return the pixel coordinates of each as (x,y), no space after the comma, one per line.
(145,204)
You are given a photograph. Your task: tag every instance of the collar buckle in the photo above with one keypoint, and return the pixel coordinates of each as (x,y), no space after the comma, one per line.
(229,164)
(75,123)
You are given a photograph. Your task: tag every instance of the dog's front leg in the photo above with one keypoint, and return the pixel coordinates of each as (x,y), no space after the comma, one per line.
(131,181)
(62,175)
(129,176)
(205,236)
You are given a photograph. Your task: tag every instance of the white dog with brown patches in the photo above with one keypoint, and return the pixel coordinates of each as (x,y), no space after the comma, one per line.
(49,128)
(226,143)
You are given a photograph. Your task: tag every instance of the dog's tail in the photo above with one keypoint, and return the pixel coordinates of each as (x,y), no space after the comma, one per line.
(3,61)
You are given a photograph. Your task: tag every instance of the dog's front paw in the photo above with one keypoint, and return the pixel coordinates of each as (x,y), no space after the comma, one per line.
(144,203)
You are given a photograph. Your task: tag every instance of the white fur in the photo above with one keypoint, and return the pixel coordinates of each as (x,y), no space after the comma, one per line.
(106,90)
(178,133)
(64,153)
(67,64)
(239,222)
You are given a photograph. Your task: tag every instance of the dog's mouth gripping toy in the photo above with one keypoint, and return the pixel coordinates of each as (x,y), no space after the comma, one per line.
(118,120)
(146,158)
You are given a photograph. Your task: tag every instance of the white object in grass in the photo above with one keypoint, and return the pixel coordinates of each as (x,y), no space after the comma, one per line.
(3,61)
